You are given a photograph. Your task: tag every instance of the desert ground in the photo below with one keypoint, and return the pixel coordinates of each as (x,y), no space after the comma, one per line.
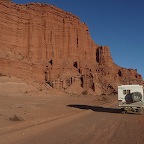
(29,115)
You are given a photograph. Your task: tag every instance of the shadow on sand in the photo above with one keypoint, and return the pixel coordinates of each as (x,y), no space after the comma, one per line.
(96,108)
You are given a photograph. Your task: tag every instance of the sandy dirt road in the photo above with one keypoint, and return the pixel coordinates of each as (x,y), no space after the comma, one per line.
(95,125)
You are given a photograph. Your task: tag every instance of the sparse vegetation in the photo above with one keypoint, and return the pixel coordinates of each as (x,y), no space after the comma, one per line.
(84,93)
(16,118)
(19,107)
(2,74)
(103,99)
(40,89)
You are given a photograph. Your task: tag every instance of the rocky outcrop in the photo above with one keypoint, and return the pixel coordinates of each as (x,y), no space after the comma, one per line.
(42,43)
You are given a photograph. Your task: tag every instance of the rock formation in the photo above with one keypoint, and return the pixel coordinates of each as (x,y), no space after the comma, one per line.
(44,44)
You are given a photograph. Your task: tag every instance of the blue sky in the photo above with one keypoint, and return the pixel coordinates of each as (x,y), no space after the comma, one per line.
(118,24)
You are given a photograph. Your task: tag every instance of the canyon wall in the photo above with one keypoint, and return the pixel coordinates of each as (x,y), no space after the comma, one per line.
(44,44)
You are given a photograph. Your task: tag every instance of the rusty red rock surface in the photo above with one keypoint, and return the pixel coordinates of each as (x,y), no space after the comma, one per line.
(44,44)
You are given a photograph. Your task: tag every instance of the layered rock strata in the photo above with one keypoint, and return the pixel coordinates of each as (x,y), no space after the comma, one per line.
(42,43)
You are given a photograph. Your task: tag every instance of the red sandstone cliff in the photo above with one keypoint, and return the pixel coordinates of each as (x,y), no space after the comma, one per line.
(42,43)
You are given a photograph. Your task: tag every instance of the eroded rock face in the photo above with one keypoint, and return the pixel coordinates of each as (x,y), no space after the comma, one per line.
(42,43)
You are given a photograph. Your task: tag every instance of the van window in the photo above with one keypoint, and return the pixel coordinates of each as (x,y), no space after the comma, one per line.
(128,91)
(125,92)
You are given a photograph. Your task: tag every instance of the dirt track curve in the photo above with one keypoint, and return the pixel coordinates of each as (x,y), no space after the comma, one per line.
(96,125)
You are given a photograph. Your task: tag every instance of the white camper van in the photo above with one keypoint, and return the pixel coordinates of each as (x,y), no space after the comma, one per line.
(131,98)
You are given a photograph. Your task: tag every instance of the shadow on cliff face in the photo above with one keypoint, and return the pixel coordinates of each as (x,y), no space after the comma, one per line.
(96,108)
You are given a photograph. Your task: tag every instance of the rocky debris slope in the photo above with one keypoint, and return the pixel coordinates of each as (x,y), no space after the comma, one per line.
(44,44)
